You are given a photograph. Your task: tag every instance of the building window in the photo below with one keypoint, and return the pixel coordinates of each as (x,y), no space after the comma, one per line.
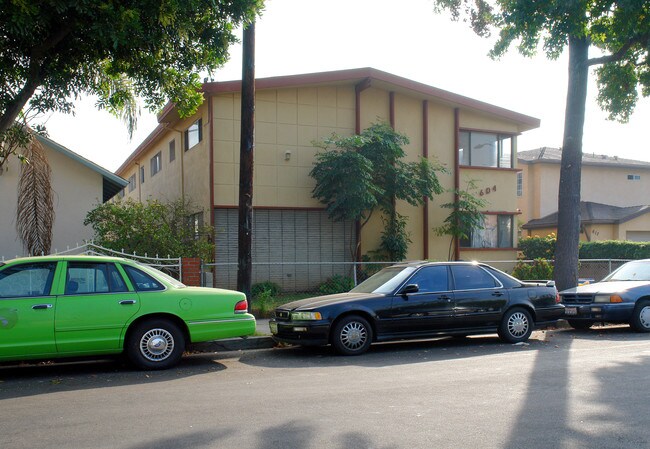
(520,184)
(194,134)
(479,149)
(121,193)
(172,150)
(156,163)
(141,175)
(132,183)
(633,177)
(496,233)
(195,222)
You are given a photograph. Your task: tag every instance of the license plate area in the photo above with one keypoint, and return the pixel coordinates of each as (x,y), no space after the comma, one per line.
(571,311)
(274,327)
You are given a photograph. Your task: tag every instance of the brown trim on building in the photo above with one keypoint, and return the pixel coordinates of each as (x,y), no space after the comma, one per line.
(271,208)
(456,172)
(358,88)
(491,131)
(425,154)
(211,157)
(391,109)
(488,249)
(479,167)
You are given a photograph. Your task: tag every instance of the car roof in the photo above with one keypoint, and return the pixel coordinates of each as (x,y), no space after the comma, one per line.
(426,263)
(58,257)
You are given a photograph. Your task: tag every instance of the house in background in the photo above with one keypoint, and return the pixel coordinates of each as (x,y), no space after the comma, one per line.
(197,158)
(612,189)
(78,186)
(600,222)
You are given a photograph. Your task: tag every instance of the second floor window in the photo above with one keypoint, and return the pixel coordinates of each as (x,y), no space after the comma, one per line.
(156,163)
(193,134)
(172,150)
(479,149)
(520,184)
(141,175)
(132,183)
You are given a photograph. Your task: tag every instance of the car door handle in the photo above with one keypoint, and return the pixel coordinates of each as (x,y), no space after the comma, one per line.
(497,294)
(127,302)
(41,306)
(448,298)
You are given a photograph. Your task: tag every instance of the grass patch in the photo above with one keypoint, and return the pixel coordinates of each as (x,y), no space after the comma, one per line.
(263,307)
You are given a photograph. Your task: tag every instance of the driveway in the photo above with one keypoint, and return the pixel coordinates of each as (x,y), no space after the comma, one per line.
(565,389)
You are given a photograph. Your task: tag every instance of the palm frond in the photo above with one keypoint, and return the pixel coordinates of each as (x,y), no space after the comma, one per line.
(35,210)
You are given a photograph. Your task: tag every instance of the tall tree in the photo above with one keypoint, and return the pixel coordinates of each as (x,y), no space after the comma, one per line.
(366,172)
(619,30)
(51,51)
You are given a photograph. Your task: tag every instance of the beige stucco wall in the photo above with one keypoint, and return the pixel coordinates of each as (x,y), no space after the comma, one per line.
(287,121)
(641,223)
(77,190)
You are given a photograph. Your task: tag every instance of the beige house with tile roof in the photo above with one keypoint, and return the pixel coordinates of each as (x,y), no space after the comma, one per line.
(609,184)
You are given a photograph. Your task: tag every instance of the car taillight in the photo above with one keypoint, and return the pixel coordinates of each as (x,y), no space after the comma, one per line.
(557,298)
(241,306)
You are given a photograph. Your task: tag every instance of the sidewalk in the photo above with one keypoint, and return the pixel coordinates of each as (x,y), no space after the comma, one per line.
(261,340)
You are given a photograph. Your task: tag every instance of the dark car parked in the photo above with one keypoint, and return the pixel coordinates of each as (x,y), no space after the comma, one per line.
(418,300)
(621,297)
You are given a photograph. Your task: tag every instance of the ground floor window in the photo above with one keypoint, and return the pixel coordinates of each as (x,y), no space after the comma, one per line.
(496,233)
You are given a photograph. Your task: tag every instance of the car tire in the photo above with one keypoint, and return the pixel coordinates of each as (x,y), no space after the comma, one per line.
(155,344)
(516,325)
(351,335)
(580,325)
(640,321)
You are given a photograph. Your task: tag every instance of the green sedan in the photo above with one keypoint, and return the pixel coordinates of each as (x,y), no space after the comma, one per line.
(69,306)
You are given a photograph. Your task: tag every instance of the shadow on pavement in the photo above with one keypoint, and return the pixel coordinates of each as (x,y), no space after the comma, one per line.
(47,377)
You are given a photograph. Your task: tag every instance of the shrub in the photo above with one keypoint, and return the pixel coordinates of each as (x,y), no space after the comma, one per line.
(614,249)
(266,289)
(538,247)
(336,284)
(540,269)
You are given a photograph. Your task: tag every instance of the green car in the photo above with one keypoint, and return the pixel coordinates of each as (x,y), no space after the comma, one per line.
(69,306)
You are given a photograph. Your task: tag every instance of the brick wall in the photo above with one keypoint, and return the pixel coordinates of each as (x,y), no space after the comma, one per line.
(191,269)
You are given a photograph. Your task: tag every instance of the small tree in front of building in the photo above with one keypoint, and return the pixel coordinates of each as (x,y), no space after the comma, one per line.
(465,215)
(366,173)
(152,228)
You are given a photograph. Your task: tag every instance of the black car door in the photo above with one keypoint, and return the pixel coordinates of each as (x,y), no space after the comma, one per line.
(430,307)
(480,298)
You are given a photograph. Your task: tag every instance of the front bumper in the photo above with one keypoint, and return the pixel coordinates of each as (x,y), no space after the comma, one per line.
(613,313)
(306,333)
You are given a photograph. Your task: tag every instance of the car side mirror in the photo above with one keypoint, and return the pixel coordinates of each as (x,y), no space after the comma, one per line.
(410,288)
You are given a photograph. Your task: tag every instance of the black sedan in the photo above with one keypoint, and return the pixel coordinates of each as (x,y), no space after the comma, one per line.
(621,297)
(418,300)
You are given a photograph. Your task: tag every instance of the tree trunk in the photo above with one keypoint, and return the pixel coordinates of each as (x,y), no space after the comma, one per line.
(568,226)
(247,145)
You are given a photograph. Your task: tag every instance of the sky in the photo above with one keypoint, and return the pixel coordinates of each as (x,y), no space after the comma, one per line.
(405,38)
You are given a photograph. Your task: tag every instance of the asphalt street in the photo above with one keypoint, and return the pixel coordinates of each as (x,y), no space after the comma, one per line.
(565,389)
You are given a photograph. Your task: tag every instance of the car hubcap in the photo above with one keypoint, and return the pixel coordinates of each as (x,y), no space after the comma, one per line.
(518,324)
(156,345)
(644,317)
(353,335)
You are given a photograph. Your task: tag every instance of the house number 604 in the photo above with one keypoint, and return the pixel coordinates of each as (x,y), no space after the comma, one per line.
(487,190)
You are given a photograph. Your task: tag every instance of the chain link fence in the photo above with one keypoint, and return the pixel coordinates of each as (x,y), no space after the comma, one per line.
(320,278)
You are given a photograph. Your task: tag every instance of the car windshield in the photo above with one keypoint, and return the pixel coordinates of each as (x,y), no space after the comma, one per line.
(631,271)
(159,274)
(386,281)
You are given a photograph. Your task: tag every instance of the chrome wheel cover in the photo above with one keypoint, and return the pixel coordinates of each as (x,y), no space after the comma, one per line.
(156,345)
(518,324)
(354,335)
(644,317)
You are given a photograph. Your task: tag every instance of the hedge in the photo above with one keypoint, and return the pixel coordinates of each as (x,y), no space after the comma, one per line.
(544,248)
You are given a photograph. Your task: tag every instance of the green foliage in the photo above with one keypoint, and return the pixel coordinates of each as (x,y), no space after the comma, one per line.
(620,30)
(265,288)
(55,50)
(365,173)
(614,249)
(336,284)
(151,228)
(538,247)
(539,270)
(465,215)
